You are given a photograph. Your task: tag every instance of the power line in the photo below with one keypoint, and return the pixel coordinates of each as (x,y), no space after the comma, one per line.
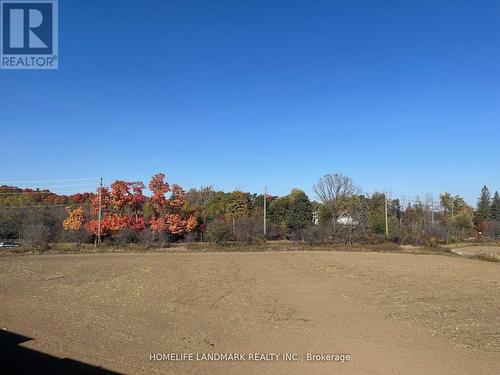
(60,180)
(44,192)
(46,206)
(57,186)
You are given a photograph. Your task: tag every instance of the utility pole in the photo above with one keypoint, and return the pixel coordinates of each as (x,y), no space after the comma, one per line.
(265,211)
(99,215)
(432,210)
(386,219)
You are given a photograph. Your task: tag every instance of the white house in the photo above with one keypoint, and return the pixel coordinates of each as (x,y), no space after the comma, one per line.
(346,219)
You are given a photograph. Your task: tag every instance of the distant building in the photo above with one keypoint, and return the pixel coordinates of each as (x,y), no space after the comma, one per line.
(315,218)
(346,219)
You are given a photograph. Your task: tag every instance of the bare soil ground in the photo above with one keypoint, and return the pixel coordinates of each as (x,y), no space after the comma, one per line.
(478,250)
(393,313)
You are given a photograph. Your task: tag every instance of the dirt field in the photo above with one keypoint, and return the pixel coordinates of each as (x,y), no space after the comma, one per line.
(477,250)
(393,313)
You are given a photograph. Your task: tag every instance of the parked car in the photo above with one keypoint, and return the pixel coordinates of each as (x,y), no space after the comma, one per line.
(8,244)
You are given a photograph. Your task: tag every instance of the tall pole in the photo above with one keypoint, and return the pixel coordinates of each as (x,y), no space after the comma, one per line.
(265,211)
(432,210)
(386,219)
(99,214)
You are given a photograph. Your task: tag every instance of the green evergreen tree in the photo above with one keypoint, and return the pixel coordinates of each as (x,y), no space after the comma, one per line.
(278,210)
(364,212)
(483,211)
(495,207)
(300,210)
(377,212)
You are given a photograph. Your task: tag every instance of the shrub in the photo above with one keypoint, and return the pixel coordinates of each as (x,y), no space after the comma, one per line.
(126,236)
(190,237)
(219,232)
(493,230)
(296,235)
(163,239)
(249,230)
(486,257)
(147,237)
(78,236)
(412,235)
(432,241)
(273,231)
(343,234)
(38,235)
(313,235)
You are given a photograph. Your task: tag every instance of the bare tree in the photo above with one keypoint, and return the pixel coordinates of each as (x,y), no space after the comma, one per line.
(333,189)
(38,235)
(200,197)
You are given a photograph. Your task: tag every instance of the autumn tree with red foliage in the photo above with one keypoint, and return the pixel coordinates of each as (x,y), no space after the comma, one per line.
(123,206)
(138,199)
(93,224)
(167,213)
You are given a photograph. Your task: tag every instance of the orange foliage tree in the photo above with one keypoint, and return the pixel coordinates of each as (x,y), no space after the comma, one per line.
(75,219)
(123,206)
(167,212)
(93,224)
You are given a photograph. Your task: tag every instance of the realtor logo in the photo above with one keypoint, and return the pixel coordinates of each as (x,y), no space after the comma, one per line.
(29,34)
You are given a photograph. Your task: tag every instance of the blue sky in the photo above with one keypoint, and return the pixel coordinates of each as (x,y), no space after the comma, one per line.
(400,95)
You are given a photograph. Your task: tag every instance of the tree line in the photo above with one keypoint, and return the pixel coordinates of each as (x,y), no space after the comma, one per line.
(122,213)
